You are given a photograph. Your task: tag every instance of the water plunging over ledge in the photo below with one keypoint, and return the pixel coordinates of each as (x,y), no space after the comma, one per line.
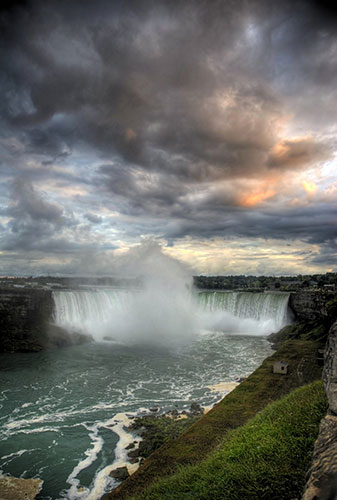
(122,313)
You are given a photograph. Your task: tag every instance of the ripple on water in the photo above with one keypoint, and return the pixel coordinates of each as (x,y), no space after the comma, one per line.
(63,428)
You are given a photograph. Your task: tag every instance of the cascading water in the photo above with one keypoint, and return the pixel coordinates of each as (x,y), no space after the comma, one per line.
(144,315)
(89,311)
(245,312)
(148,316)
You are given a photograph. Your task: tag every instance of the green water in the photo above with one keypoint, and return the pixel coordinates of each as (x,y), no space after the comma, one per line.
(57,407)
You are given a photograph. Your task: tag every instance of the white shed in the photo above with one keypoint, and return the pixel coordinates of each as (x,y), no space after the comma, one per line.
(281,367)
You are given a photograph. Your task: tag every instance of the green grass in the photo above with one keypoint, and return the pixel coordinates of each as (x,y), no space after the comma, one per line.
(251,396)
(157,430)
(301,330)
(266,459)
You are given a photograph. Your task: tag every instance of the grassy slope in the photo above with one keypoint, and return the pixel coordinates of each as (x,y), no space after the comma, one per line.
(265,459)
(250,397)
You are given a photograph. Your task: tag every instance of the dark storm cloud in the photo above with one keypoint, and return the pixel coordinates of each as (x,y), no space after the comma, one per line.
(34,221)
(27,203)
(315,226)
(143,77)
(170,98)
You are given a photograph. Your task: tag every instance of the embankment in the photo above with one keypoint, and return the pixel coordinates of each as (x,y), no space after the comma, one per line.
(251,396)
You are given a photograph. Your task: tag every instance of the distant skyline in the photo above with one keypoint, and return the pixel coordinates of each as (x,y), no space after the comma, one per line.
(208,127)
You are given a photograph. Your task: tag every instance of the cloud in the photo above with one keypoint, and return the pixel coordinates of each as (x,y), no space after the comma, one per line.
(297,153)
(188,119)
(95,219)
(33,220)
(28,203)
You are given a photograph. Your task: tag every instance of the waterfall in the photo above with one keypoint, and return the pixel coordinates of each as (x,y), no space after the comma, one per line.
(245,311)
(259,306)
(130,315)
(88,310)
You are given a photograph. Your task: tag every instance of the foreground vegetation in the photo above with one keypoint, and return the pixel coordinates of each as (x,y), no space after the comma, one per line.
(265,459)
(251,396)
(157,430)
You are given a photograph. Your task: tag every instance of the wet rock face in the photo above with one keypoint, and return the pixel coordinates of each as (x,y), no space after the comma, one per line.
(121,473)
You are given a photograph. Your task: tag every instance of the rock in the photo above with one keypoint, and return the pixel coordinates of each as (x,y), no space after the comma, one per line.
(121,473)
(330,369)
(311,305)
(196,409)
(130,446)
(154,409)
(133,453)
(134,460)
(322,482)
(13,488)
(23,319)
(322,476)
(59,337)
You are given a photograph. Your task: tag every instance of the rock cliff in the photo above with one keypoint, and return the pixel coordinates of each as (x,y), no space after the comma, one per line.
(26,322)
(24,315)
(311,305)
(322,481)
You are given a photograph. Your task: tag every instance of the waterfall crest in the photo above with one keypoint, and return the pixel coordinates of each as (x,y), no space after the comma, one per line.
(88,310)
(245,312)
(259,306)
(124,314)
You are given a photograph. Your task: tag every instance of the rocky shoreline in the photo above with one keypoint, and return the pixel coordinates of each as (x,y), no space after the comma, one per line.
(151,429)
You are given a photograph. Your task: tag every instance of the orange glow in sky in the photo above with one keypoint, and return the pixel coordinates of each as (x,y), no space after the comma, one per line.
(257,197)
(310,187)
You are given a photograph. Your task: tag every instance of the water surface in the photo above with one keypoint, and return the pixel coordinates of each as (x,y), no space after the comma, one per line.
(57,407)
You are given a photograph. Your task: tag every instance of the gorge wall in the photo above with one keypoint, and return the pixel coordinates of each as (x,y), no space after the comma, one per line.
(311,305)
(26,322)
(24,315)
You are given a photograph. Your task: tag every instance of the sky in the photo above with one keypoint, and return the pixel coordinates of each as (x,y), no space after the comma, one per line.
(206,127)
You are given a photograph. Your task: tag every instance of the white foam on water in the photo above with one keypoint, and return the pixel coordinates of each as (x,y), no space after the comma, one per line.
(102,479)
(37,430)
(26,405)
(14,455)
(52,417)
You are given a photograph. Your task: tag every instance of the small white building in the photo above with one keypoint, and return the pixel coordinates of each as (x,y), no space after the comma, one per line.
(280,367)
